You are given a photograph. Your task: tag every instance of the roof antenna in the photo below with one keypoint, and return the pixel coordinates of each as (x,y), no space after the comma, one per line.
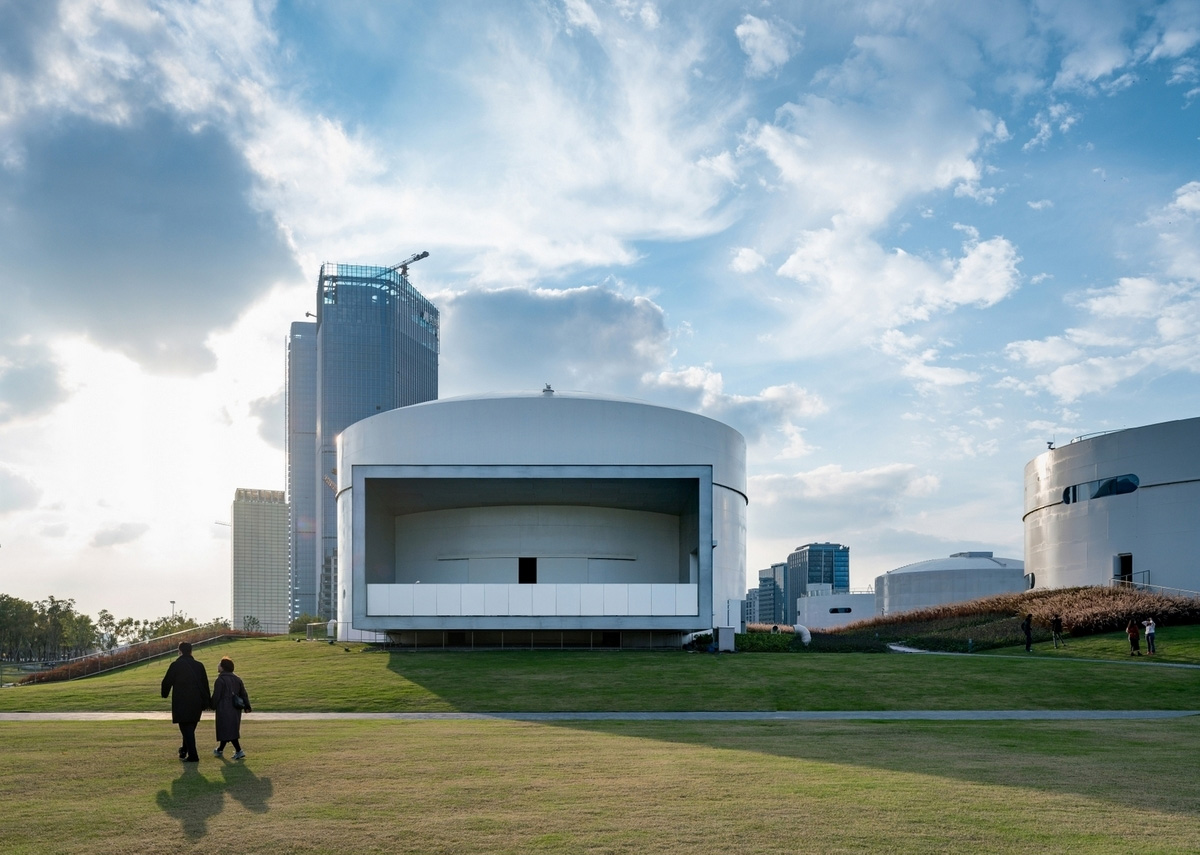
(547,391)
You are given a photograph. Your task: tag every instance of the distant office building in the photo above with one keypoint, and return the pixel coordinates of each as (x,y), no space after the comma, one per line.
(961,577)
(259,577)
(375,348)
(819,564)
(774,591)
(1116,508)
(300,414)
(750,607)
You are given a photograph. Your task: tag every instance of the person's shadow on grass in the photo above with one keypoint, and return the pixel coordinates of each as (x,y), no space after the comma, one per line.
(249,789)
(192,800)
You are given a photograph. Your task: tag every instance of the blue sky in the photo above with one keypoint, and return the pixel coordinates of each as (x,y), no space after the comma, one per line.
(899,245)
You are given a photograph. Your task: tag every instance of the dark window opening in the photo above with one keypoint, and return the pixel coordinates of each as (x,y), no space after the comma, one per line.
(1100,488)
(610,639)
(840,611)
(526,571)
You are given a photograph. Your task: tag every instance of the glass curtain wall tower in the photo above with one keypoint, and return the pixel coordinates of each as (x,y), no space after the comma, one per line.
(377,346)
(300,413)
(820,564)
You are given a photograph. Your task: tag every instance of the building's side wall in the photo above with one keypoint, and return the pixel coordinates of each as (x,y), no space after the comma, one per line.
(833,610)
(571,544)
(1157,526)
(901,592)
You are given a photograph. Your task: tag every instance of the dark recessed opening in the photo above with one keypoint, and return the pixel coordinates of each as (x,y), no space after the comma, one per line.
(526,571)
(610,639)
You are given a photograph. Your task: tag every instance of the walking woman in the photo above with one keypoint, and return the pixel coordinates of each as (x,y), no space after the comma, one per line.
(230,700)
(1132,631)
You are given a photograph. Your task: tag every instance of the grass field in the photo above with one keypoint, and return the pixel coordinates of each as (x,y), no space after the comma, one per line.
(612,787)
(286,676)
(621,786)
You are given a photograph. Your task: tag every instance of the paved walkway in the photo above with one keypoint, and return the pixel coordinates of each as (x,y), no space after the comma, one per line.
(807,715)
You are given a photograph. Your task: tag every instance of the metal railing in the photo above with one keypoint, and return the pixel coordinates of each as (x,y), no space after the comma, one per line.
(137,652)
(1153,589)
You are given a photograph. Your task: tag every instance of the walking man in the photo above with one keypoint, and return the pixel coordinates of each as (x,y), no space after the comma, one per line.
(187,683)
(1056,630)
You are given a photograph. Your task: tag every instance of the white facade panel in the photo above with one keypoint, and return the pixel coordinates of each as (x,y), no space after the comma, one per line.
(591,599)
(474,600)
(545,599)
(616,600)
(686,600)
(567,600)
(520,600)
(495,600)
(639,600)
(662,599)
(424,599)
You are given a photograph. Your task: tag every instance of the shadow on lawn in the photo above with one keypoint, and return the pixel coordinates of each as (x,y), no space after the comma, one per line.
(194,799)
(1105,760)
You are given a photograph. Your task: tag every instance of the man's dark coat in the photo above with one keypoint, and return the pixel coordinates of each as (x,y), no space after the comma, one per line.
(187,684)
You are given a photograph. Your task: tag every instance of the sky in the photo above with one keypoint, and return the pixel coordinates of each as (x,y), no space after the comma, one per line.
(900,246)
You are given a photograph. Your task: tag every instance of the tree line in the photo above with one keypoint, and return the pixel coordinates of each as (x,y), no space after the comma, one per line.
(50,630)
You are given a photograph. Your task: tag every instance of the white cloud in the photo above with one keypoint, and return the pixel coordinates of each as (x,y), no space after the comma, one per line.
(768,45)
(1040,204)
(580,14)
(851,284)
(16,491)
(746,260)
(118,534)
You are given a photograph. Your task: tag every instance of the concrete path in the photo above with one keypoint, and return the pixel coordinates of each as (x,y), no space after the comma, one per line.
(807,715)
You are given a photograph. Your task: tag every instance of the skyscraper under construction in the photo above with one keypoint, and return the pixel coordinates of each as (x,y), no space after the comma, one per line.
(374,347)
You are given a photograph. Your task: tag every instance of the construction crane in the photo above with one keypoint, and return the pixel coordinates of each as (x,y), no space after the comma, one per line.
(403,265)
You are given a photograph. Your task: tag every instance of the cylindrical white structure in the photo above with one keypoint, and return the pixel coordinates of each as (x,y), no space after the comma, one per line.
(1123,505)
(543,511)
(961,577)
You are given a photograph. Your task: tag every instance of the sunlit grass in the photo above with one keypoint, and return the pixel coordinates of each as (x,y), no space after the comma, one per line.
(288,676)
(620,787)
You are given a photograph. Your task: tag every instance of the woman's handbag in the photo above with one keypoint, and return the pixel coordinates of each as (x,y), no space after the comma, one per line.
(239,703)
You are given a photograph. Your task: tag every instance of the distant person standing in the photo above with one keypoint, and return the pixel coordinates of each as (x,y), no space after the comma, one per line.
(1131,630)
(186,682)
(1027,628)
(1056,630)
(1149,624)
(230,700)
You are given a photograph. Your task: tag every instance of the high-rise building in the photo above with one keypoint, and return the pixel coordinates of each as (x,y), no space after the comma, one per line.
(773,594)
(259,575)
(300,414)
(819,564)
(374,347)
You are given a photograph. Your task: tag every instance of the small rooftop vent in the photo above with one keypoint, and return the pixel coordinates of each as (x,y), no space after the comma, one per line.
(971,555)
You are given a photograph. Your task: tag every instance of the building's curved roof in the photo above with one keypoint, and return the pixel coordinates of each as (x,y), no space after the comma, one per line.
(964,561)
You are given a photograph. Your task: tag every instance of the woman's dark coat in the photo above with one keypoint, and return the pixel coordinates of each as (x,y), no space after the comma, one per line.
(187,684)
(229,717)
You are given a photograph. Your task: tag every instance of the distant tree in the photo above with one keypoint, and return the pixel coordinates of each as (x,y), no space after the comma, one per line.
(300,623)
(251,624)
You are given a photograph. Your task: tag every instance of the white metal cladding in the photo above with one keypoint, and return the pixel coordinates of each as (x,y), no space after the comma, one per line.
(1157,526)
(555,600)
(523,465)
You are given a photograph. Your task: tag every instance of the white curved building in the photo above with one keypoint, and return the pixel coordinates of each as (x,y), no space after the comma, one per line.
(961,577)
(1123,505)
(540,519)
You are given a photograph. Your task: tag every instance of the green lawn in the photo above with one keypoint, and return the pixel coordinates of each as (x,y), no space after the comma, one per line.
(283,675)
(609,787)
(1180,644)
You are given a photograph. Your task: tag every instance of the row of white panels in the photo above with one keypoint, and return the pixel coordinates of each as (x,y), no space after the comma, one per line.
(552,600)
